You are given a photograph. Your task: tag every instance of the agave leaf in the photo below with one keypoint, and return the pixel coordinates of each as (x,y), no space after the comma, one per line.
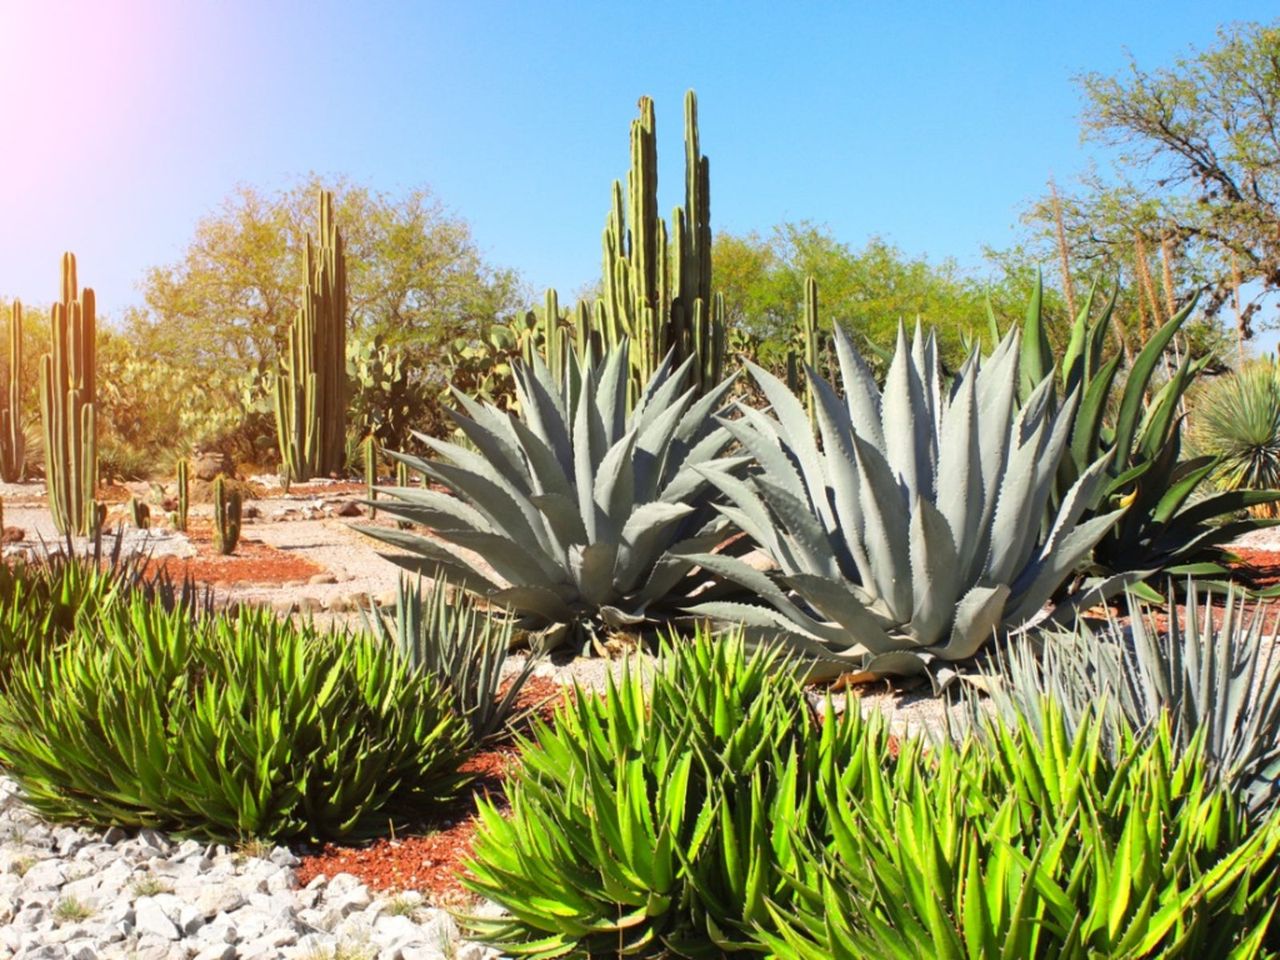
(539,601)
(1144,366)
(645,536)
(543,410)
(809,548)
(834,601)
(885,510)
(978,615)
(592,568)
(547,473)
(1039,581)
(960,496)
(905,420)
(798,430)
(935,573)
(614,493)
(861,392)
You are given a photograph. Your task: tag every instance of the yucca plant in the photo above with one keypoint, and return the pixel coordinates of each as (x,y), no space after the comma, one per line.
(228,727)
(578,510)
(1213,677)
(445,633)
(1169,525)
(911,535)
(1026,845)
(1236,418)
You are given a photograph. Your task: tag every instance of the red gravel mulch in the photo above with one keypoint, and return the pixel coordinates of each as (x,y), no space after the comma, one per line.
(431,862)
(252,562)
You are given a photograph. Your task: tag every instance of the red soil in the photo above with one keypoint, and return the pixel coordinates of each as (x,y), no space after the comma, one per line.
(431,862)
(252,562)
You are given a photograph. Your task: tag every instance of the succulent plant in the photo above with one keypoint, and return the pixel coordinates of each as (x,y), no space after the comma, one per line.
(912,535)
(140,513)
(179,516)
(1219,679)
(226,517)
(1167,526)
(574,505)
(13,442)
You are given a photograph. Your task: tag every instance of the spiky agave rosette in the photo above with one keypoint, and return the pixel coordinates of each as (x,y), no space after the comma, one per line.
(912,533)
(582,513)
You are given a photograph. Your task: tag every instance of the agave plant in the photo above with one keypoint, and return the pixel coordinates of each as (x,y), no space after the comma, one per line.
(1237,419)
(580,512)
(1168,526)
(912,535)
(445,633)
(1222,681)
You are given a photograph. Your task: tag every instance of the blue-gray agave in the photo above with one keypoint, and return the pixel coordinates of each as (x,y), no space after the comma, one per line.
(1220,680)
(573,505)
(905,525)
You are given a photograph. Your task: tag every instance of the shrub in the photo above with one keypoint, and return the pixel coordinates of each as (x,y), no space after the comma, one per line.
(232,726)
(444,633)
(718,816)
(1027,845)
(913,533)
(578,509)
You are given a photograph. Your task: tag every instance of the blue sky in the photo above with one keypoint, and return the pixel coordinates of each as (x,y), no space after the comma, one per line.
(932,124)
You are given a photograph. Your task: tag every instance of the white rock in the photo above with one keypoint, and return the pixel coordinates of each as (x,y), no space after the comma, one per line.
(154,920)
(217,951)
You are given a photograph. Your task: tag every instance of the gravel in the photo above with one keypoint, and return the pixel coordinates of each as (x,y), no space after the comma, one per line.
(73,894)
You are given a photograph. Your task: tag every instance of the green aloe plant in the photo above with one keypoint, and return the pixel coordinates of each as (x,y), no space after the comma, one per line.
(580,512)
(911,535)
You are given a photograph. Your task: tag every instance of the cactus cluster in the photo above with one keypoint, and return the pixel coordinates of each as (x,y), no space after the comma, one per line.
(226,517)
(68,389)
(311,387)
(657,291)
(13,447)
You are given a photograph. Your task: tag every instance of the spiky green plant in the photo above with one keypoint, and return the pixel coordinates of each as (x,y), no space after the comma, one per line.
(226,516)
(1034,846)
(311,385)
(911,536)
(68,389)
(1168,525)
(238,725)
(578,508)
(1213,676)
(1236,418)
(445,633)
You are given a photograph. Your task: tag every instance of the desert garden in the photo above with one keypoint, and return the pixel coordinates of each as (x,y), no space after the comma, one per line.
(657,625)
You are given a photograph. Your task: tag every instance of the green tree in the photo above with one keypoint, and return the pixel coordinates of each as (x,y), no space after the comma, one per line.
(867,290)
(1192,189)
(416,279)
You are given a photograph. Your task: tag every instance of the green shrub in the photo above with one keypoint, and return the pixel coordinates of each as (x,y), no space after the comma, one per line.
(718,816)
(233,726)
(642,824)
(42,600)
(445,633)
(1026,845)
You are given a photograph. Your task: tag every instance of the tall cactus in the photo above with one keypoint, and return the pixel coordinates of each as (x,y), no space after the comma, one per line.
(68,389)
(809,347)
(226,516)
(656,293)
(184,496)
(13,446)
(311,387)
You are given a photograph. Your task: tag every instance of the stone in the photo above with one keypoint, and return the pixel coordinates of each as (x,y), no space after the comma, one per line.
(217,951)
(321,578)
(208,464)
(349,509)
(152,919)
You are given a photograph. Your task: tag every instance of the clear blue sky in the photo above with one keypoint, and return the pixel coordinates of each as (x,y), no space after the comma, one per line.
(121,123)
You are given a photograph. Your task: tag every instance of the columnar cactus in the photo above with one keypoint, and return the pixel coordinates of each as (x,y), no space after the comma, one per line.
(13,447)
(226,517)
(184,496)
(657,294)
(141,513)
(370,449)
(68,389)
(311,387)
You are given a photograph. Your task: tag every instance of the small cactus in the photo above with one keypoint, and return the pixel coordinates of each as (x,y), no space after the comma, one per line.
(370,446)
(179,517)
(402,480)
(226,517)
(141,513)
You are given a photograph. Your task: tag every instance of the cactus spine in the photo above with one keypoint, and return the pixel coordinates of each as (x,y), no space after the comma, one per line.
(13,446)
(659,294)
(226,517)
(371,472)
(184,497)
(68,390)
(311,389)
